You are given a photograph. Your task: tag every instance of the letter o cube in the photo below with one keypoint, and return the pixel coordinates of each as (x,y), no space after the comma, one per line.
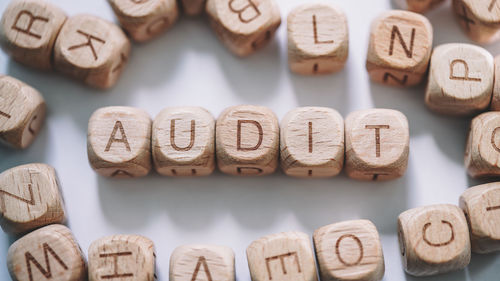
(247,140)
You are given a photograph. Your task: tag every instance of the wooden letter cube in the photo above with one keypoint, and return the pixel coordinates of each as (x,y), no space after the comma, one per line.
(318,39)
(247,140)
(377,144)
(418,6)
(460,79)
(481,205)
(22,112)
(49,253)
(482,153)
(30,198)
(349,250)
(92,50)
(282,257)
(119,142)
(202,262)
(184,142)
(479,19)
(122,257)
(193,7)
(312,142)
(434,239)
(399,49)
(145,19)
(244,26)
(28,31)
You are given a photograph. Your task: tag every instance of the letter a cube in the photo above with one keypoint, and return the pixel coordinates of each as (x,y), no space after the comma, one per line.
(247,140)
(119,142)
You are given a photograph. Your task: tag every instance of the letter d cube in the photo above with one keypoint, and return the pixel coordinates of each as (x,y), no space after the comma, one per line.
(247,140)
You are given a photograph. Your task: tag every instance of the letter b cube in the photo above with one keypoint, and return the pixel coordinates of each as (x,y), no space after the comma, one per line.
(247,140)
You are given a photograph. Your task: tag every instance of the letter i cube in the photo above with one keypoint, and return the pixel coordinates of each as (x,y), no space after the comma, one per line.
(119,142)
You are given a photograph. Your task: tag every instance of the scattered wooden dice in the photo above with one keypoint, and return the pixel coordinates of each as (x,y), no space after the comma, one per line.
(312,142)
(377,144)
(29,198)
(282,257)
(92,50)
(419,6)
(183,142)
(47,253)
(482,152)
(480,19)
(145,19)
(244,26)
(122,257)
(349,250)
(202,262)
(460,79)
(22,112)
(247,140)
(434,239)
(28,31)
(119,142)
(481,205)
(318,39)
(400,48)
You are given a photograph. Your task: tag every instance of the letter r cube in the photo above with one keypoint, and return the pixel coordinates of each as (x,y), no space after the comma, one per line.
(247,140)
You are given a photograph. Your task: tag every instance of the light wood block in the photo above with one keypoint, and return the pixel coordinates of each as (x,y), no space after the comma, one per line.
(349,250)
(28,31)
(193,7)
(29,198)
(247,141)
(419,6)
(481,205)
(377,144)
(460,79)
(184,142)
(495,100)
(399,49)
(91,50)
(482,152)
(479,19)
(119,142)
(434,239)
(312,142)
(202,263)
(22,112)
(282,257)
(49,253)
(318,39)
(145,19)
(244,26)
(122,257)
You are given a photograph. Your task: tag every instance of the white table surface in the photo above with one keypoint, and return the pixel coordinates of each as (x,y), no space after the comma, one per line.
(189,66)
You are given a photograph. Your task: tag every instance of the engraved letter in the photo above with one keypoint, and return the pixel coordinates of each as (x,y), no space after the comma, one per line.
(466,72)
(360,246)
(121,173)
(46,272)
(408,51)
(316,40)
(113,139)
(402,82)
(282,261)
(115,265)
(310,137)
(31,201)
(201,261)
(377,136)
(493,135)
(5,115)
(424,234)
(88,43)
(238,140)
(494,208)
(32,20)
(250,171)
(250,16)
(172,136)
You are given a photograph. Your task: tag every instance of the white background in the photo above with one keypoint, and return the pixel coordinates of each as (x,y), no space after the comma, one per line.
(189,66)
